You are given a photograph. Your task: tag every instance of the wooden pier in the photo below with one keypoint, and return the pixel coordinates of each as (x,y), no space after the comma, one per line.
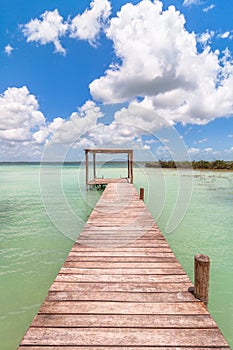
(121,287)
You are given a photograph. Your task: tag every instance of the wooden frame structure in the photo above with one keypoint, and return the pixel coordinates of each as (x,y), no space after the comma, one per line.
(102,181)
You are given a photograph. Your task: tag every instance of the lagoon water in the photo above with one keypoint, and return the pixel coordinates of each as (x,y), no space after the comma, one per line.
(42,210)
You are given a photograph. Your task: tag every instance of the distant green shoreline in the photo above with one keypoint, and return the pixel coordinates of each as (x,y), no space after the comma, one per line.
(196,165)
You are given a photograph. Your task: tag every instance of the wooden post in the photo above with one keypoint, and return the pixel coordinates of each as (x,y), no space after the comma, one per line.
(141,194)
(201,277)
(130,166)
(94,167)
(86,153)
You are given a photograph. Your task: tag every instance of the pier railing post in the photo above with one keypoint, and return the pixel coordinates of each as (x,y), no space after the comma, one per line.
(86,155)
(201,277)
(141,196)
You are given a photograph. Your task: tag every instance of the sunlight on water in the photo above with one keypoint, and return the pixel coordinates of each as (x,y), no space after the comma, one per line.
(33,249)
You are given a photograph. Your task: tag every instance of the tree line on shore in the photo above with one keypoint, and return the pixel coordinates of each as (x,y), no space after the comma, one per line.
(200,164)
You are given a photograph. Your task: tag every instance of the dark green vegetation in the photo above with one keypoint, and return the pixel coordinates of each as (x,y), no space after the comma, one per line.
(201,164)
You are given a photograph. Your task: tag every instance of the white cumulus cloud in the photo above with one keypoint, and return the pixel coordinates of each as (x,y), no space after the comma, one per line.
(229,150)
(225,35)
(193,151)
(159,63)
(87,26)
(19,114)
(46,30)
(208,8)
(8,49)
(79,124)
(201,141)
(191,2)
(44,132)
(149,42)
(207,153)
(205,37)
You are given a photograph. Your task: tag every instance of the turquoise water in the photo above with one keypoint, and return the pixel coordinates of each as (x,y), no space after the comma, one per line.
(33,247)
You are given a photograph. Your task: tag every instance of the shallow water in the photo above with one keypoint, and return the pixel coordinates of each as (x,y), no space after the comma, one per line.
(33,247)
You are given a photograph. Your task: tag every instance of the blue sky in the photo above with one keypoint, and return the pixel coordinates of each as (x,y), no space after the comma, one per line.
(153,75)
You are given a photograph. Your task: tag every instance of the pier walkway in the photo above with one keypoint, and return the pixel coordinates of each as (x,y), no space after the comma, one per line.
(121,288)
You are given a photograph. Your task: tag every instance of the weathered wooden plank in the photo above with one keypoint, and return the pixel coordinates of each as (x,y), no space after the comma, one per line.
(76,307)
(124,337)
(127,216)
(140,251)
(123,238)
(124,211)
(116,206)
(121,219)
(117,223)
(93,271)
(123,265)
(122,233)
(51,347)
(135,236)
(152,231)
(111,243)
(116,243)
(100,181)
(124,242)
(171,297)
(125,259)
(138,321)
(122,254)
(121,287)
(124,230)
(137,240)
(115,251)
(121,213)
(122,278)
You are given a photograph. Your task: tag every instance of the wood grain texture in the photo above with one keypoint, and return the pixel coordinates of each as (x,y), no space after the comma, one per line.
(51,347)
(139,321)
(122,265)
(122,288)
(127,259)
(121,308)
(150,297)
(123,337)
(93,271)
(122,278)
(201,277)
